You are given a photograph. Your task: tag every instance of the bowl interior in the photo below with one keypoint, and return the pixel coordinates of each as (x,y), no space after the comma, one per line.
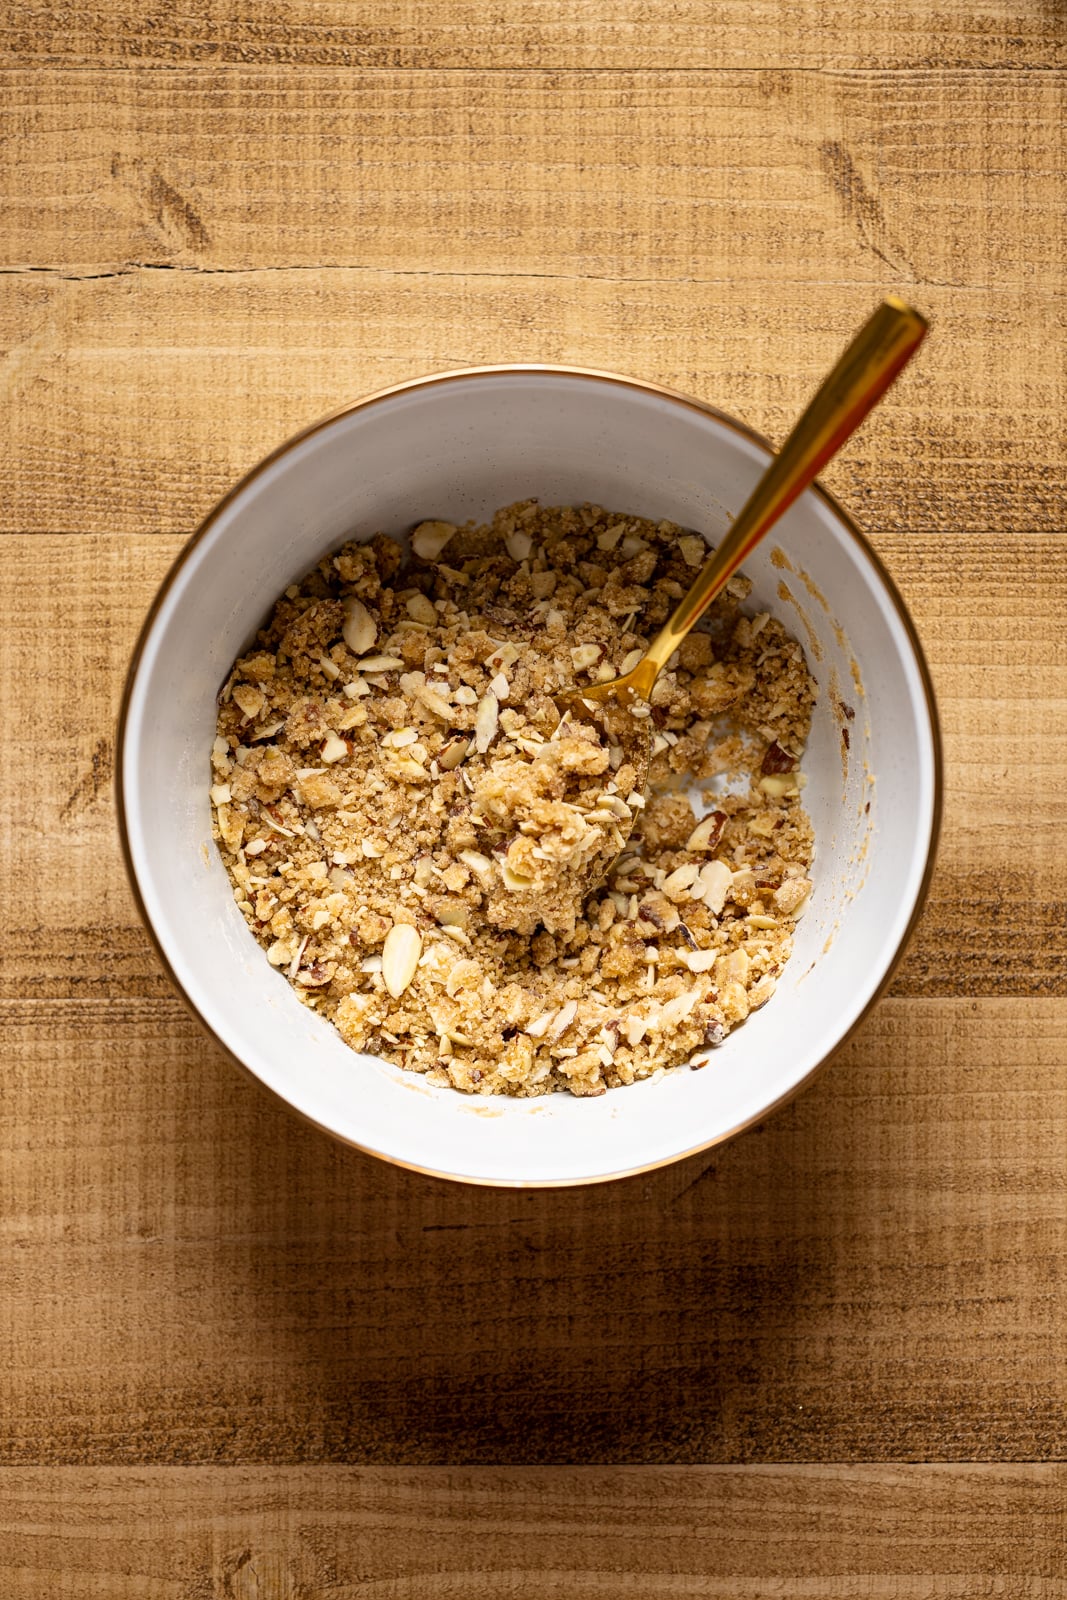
(458,447)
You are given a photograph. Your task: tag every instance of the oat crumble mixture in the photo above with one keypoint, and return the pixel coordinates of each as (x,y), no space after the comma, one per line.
(408,831)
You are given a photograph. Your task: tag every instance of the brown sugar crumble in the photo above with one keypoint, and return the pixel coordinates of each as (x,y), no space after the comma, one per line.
(409,831)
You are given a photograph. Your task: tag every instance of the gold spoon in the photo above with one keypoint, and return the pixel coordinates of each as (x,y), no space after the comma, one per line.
(864,372)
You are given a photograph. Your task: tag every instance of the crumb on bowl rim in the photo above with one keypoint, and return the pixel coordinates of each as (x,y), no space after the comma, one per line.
(641,386)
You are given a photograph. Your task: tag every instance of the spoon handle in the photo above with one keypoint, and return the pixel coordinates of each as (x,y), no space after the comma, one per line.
(880,350)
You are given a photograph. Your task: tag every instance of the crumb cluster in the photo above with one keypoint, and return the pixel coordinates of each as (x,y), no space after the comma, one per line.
(408,830)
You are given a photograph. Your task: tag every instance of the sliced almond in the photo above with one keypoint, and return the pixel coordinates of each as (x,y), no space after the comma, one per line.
(512,881)
(716,879)
(421,609)
(518,545)
(406,767)
(503,655)
(400,957)
(635,1029)
(539,1025)
(360,629)
(563,1019)
(451,754)
(250,699)
(220,794)
(585,655)
(707,833)
(693,549)
(334,749)
(430,538)
(632,546)
(486,720)
(435,703)
(610,537)
(380,664)
(677,884)
(500,687)
(480,865)
(699,960)
(761,992)
(780,786)
(294,965)
(231,826)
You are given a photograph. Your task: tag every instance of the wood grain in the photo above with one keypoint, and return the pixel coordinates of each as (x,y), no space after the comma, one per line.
(797,176)
(242,1362)
(162,257)
(902,1533)
(951,453)
(189,1274)
(538,33)
(996,921)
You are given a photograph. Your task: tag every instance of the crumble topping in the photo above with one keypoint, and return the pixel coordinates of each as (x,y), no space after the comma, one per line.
(412,834)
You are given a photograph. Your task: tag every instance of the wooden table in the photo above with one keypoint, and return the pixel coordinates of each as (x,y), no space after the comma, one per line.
(240,1361)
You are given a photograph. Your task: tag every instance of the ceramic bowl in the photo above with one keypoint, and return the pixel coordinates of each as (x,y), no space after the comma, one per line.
(458,446)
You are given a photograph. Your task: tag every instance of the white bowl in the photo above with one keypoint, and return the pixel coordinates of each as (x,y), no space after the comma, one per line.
(458,446)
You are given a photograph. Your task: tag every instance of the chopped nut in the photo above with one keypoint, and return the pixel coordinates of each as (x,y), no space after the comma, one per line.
(694,550)
(400,957)
(761,992)
(333,750)
(563,1019)
(479,864)
(707,833)
(360,629)
(518,545)
(779,787)
(485,721)
(420,609)
(380,664)
(250,699)
(451,754)
(430,538)
(717,880)
(677,885)
(792,897)
(435,703)
(775,759)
